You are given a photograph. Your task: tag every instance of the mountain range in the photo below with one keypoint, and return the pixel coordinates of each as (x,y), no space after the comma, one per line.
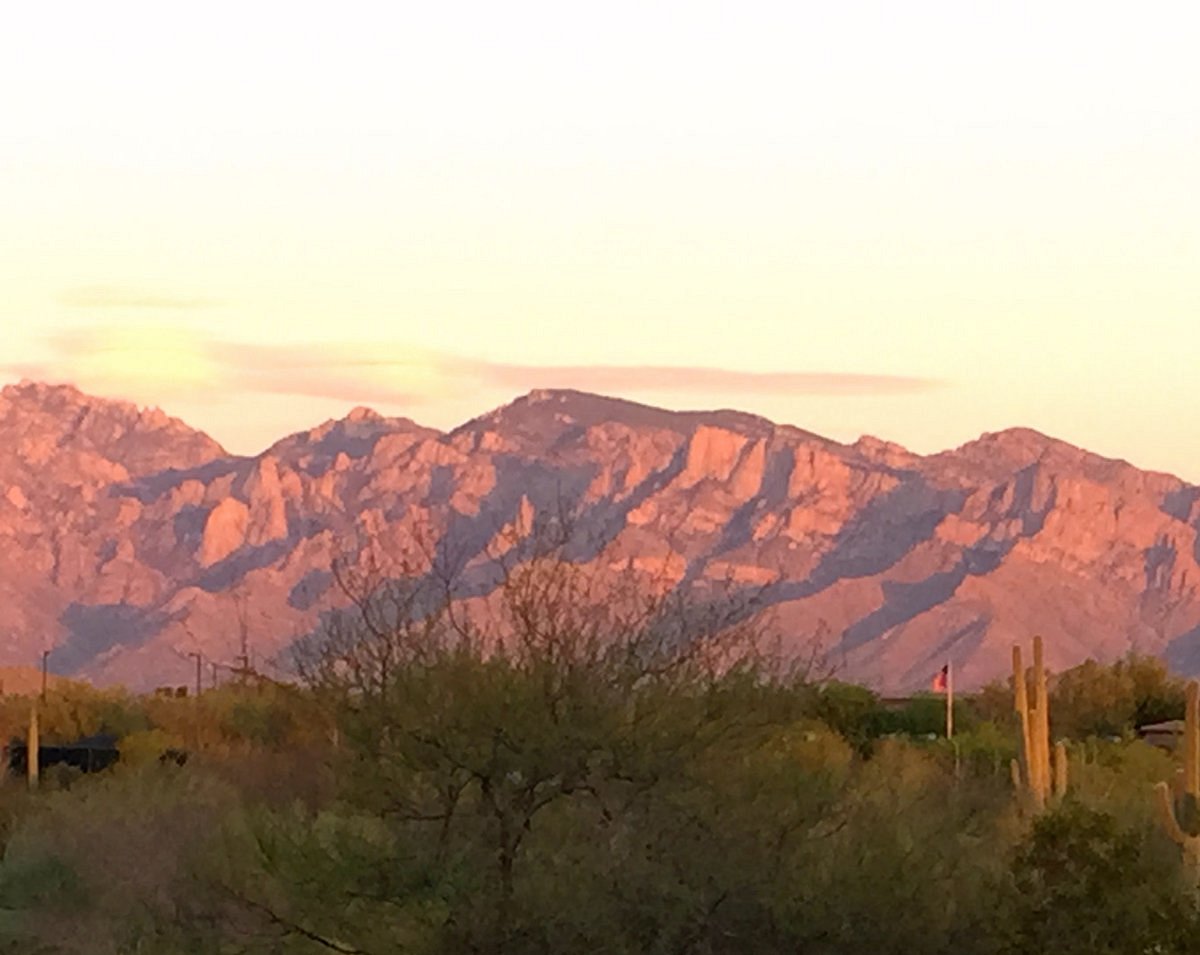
(129,540)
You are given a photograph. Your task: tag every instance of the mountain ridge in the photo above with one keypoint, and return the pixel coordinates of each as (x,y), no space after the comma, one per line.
(128,539)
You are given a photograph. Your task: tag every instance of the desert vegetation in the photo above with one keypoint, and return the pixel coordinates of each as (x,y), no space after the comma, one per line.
(577,764)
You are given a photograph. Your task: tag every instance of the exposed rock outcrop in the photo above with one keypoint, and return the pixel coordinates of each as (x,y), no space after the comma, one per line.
(225,531)
(130,540)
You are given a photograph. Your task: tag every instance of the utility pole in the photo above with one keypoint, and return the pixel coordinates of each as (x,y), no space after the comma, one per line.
(243,619)
(198,659)
(45,658)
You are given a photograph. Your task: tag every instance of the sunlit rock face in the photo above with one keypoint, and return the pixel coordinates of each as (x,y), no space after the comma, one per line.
(128,540)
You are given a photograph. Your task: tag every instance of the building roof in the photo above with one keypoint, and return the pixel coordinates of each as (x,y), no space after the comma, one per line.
(1168,726)
(96,742)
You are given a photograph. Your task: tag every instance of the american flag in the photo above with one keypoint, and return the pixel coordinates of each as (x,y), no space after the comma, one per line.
(941,680)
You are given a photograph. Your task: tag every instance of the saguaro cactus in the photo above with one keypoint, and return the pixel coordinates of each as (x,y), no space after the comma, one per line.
(1180,815)
(1032,774)
(32,750)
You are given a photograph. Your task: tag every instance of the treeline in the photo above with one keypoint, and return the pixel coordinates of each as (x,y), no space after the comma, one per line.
(1092,701)
(577,769)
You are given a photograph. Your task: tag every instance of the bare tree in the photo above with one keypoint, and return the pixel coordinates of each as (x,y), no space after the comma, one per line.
(486,693)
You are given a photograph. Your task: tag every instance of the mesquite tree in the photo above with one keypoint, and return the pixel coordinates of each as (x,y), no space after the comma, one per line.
(473,704)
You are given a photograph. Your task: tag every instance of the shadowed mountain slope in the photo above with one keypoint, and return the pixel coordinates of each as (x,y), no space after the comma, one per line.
(128,540)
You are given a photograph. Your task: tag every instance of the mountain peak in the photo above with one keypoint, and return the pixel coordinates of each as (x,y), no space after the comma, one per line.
(363,413)
(120,540)
(540,417)
(354,436)
(1020,437)
(60,417)
(43,392)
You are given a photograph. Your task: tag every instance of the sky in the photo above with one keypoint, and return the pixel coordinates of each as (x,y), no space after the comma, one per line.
(920,221)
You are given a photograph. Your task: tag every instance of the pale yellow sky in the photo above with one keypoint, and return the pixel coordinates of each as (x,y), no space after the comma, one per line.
(920,221)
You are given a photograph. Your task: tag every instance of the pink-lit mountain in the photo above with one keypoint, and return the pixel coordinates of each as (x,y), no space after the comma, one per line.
(129,540)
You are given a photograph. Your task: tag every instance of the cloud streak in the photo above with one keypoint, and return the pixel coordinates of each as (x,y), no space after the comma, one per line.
(127,357)
(116,296)
(701,379)
(388,373)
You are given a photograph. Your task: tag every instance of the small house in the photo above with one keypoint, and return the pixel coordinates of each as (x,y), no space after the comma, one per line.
(90,754)
(1166,735)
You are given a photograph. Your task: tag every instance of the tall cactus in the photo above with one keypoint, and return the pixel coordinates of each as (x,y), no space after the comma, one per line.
(1033,774)
(32,750)
(1178,818)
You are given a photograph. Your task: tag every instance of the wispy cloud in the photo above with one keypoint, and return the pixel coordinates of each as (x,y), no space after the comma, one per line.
(385,373)
(116,296)
(699,379)
(392,374)
(144,362)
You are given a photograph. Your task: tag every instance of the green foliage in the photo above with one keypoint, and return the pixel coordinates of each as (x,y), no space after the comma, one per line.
(986,749)
(994,704)
(1095,699)
(292,876)
(481,811)
(1082,883)
(573,794)
(258,721)
(1105,701)
(925,715)
(105,867)
(853,711)
(75,710)
(147,746)
(1116,777)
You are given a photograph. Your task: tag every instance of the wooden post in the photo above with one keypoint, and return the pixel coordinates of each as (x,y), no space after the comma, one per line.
(32,750)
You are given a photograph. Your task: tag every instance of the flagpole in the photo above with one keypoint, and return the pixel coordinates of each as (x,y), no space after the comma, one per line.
(949,700)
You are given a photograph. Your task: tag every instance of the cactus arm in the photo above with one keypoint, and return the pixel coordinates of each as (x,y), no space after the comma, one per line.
(1043,775)
(1186,784)
(1060,769)
(1020,700)
(1166,814)
(1191,740)
(1042,729)
(1021,705)
(1037,779)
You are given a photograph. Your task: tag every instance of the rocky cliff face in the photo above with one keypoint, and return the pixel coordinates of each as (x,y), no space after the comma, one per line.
(128,540)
